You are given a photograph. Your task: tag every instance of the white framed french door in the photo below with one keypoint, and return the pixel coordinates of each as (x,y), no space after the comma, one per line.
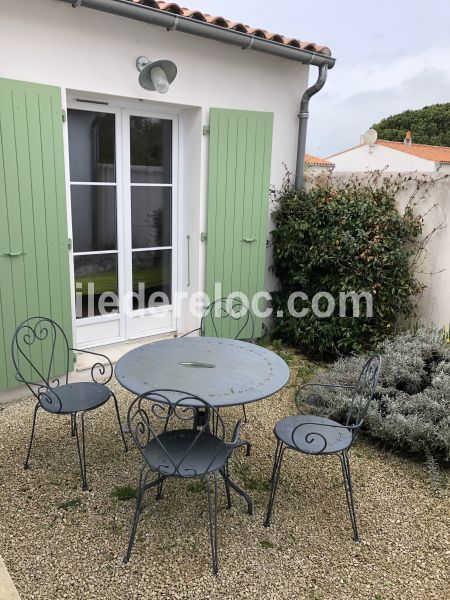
(123,185)
(150,223)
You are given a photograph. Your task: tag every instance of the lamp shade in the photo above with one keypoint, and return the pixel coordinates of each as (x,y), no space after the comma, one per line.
(155,72)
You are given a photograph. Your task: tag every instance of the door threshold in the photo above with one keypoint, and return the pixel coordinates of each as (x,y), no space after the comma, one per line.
(115,351)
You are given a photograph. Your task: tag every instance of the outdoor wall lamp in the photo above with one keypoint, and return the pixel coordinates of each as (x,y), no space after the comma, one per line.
(156,75)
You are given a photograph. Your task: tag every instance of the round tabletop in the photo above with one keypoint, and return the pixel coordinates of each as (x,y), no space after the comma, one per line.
(221,371)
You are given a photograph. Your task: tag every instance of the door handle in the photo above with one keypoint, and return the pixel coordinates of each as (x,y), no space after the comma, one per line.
(188,260)
(248,240)
(18,253)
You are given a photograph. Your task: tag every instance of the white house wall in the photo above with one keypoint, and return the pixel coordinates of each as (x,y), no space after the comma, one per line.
(378,157)
(45,41)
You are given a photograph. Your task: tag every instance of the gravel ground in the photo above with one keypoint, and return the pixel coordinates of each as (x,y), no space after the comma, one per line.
(58,542)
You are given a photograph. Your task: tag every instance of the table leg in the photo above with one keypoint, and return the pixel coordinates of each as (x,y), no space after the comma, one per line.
(203,416)
(237,489)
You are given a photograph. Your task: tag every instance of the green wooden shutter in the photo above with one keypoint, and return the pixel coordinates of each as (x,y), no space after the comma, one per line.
(34,259)
(240,148)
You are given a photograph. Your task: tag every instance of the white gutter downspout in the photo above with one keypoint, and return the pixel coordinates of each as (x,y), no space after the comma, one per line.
(171,22)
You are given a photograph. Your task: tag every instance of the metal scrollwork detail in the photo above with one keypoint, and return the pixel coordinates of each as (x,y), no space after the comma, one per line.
(229,308)
(102,370)
(364,391)
(49,400)
(154,415)
(35,368)
(313,400)
(307,441)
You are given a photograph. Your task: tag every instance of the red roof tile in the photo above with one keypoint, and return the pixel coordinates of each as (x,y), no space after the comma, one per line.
(316,161)
(435,153)
(198,15)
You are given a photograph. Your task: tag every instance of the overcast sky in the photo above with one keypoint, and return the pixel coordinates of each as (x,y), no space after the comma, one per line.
(391,55)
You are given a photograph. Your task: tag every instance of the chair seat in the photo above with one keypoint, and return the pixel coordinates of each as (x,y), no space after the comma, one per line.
(208,454)
(315,438)
(75,397)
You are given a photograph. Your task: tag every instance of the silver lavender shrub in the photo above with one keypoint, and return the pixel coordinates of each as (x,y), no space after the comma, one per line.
(411,407)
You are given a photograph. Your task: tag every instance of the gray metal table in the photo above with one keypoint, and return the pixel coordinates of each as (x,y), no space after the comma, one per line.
(221,371)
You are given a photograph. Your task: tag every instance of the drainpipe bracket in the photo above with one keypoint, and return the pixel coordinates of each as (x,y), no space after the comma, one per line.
(250,44)
(175,24)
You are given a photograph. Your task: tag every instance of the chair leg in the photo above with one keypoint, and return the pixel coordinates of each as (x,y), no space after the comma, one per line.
(274,481)
(348,486)
(212,512)
(118,419)
(72,424)
(137,511)
(225,476)
(245,413)
(36,408)
(159,489)
(81,446)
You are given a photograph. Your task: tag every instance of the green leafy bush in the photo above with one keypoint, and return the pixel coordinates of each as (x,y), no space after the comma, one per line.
(411,407)
(428,125)
(344,237)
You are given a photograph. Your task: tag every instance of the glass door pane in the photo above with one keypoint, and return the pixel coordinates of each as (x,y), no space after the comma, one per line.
(96,285)
(94,218)
(151,211)
(150,150)
(92,147)
(152,276)
(92,159)
(151,217)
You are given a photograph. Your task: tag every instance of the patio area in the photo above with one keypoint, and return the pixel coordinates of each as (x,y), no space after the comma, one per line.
(58,542)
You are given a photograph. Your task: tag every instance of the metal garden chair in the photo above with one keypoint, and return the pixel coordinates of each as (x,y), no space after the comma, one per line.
(166,429)
(38,343)
(319,436)
(240,317)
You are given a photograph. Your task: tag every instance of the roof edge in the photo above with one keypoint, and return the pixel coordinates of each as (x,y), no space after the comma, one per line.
(185,24)
(400,147)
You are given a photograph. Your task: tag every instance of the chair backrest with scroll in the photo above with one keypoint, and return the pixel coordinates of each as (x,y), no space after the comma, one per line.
(228,317)
(173,431)
(41,357)
(364,391)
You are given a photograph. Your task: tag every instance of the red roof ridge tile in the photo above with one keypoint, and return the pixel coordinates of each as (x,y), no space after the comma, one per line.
(414,144)
(198,15)
(425,151)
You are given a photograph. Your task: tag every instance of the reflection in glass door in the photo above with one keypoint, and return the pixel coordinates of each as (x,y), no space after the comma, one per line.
(149,180)
(122,191)
(94,209)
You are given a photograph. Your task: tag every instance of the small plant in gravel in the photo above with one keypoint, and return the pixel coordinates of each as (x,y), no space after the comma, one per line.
(74,503)
(197,486)
(411,407)
(250,482)
(266,544)
(306,370)
(123,493)
(315,595)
